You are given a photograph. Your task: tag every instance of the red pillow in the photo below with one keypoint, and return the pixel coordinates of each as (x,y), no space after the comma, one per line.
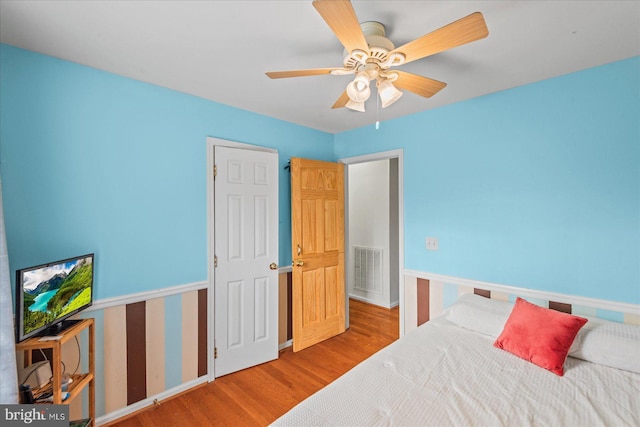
(539,335)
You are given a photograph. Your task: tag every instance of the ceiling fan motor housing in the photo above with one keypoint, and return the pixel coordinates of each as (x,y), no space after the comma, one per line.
(379,48)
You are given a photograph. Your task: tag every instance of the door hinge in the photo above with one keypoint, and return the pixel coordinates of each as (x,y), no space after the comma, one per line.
(215,352)
(215,171)
(215,260)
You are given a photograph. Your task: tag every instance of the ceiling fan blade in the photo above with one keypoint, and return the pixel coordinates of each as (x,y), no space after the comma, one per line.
(342,101)
(419,85)
(463,31)
(342,20)
(300,73)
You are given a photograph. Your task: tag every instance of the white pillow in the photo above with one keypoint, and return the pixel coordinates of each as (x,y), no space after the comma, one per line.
(484,315)
(608,343)
(599,341)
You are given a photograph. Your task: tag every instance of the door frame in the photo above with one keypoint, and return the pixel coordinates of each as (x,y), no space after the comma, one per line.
(384,155)
(212,142)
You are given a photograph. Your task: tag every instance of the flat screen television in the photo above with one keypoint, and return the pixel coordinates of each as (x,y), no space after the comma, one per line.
(48,294)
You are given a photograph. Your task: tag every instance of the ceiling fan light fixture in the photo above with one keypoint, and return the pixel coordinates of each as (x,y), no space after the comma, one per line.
(358,90)
(388,93)
(370,55)
(356,106)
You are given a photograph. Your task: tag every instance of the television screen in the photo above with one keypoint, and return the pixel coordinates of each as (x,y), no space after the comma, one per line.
(48,294)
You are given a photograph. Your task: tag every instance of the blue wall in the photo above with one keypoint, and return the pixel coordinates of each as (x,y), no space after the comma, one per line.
(94,162)
(537,186)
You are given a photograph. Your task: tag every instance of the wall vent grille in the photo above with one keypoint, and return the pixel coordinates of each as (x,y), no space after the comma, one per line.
(368,269)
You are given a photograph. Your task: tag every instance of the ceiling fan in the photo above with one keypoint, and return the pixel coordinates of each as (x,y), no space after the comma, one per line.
(370,55)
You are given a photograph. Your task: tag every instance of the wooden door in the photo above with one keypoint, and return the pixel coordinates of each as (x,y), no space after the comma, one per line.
(246,250)
(317,216)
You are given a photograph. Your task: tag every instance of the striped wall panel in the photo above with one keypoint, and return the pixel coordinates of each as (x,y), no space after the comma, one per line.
(147,347)
(154,346)
(285,309)
(289,306)
(173,341)
(426,299)
(115,359)
(482,292)
(189,336)
(410,318)
(283,296)
(202,333)
(98,317)
(136,352)
(422,289)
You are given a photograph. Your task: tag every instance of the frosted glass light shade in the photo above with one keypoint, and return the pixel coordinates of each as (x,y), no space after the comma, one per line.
(357,106)
(358,90)
(388,93)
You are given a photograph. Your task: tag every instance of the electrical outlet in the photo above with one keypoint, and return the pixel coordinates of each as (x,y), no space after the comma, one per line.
(432,243)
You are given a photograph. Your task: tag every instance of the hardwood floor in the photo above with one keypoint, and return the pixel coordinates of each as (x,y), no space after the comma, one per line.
(259,395)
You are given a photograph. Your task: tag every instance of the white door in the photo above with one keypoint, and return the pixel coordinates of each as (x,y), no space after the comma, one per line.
(246,248)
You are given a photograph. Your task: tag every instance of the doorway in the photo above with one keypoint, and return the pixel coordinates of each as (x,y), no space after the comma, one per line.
(242,198)
(374,259)
(317,231)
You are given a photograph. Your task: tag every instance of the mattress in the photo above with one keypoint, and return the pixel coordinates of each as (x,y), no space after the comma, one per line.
(443,375)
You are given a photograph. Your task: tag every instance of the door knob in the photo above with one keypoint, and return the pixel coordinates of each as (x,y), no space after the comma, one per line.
(273,266)
(298,263)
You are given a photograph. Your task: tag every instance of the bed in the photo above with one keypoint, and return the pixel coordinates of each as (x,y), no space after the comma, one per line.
(448,372)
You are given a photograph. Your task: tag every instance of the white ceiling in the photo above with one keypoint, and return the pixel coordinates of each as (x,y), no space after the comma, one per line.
(220,50)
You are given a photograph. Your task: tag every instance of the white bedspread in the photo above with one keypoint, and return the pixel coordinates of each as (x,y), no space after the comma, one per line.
(444,375)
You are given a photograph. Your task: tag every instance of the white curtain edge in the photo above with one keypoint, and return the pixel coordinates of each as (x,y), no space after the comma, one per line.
(8,369)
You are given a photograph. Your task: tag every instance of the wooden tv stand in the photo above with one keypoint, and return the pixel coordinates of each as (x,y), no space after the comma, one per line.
(80,381)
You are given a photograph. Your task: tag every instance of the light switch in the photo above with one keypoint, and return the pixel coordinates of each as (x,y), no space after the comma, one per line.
(432,243)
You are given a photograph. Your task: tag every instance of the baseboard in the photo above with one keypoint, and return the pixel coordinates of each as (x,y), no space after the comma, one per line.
(130,410)
(285,345)
(372,302)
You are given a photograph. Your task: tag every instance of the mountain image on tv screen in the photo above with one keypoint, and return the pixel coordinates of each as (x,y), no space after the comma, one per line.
(54,291)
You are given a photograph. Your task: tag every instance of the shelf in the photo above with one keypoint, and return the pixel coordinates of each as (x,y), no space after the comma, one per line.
(78,384)
(74,389)
(36,343)
(80,381)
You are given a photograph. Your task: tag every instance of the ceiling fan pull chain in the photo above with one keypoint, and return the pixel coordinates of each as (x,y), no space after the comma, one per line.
(377,109)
